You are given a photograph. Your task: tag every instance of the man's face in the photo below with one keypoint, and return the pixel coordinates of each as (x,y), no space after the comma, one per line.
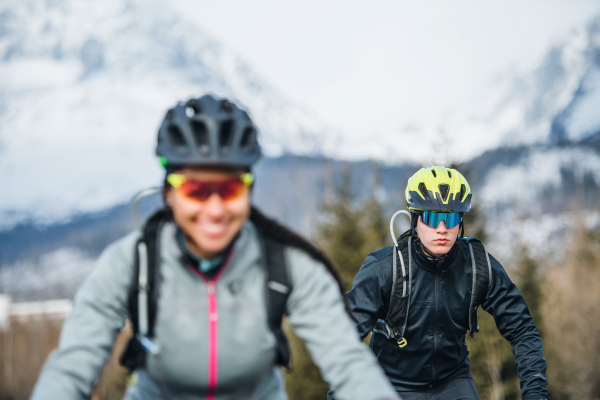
(438,240)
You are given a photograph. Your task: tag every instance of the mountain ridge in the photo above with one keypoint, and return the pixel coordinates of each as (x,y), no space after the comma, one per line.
(83,87)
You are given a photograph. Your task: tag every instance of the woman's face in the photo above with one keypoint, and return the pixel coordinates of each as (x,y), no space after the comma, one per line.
(209,226)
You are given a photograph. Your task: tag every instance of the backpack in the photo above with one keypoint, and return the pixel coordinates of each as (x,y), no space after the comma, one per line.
(394,325)
(143,294)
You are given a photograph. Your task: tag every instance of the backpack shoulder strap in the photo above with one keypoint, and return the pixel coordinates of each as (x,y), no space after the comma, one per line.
(396,319)
(278,290)
(482,270)
(143,293)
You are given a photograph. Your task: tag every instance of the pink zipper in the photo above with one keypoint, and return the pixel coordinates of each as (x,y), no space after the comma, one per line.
(213,319)
(213,345)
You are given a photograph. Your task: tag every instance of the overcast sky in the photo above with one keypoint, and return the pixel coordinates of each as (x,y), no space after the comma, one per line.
(365,65)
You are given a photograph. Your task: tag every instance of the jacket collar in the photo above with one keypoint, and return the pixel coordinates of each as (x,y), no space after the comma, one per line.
(424,262)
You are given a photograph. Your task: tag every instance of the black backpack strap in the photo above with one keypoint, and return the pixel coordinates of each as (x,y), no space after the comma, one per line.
(278,290)
(482,270)
(397,315)
(143,294)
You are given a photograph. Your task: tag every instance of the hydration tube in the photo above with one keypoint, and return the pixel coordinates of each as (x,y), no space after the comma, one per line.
(133,206)
(392,224)
(397,249)
(143,287)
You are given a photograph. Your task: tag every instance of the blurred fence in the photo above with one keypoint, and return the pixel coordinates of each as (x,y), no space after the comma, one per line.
(28,334)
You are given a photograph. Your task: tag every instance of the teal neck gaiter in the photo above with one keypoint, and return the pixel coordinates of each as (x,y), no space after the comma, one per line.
(203,265)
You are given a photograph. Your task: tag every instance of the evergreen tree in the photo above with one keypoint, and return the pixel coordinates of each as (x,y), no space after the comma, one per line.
(572,318)
(530,285)
(492,362)
(351,227)
(303,380)
(341,232)
(374,218)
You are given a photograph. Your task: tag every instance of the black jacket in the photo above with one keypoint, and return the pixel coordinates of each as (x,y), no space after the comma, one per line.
(438,320)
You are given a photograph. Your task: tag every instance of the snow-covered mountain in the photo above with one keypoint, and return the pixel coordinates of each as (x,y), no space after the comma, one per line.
(83,88)
(556,102)
(541,131)
(84,85)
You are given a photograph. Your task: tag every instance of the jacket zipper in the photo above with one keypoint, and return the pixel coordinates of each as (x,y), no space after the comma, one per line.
(213,318)
(435,326)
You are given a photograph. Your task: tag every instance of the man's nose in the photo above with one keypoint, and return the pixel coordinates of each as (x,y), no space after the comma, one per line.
(441,227)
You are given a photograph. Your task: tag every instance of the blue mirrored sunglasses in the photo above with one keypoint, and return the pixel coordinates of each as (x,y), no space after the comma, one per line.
(433,219)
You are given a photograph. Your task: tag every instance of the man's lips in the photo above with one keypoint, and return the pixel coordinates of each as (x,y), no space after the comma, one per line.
(441,241)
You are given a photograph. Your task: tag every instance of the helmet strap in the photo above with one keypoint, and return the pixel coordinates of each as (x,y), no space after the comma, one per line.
(413,224)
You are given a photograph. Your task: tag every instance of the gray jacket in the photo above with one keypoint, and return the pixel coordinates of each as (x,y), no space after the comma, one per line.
(213,335)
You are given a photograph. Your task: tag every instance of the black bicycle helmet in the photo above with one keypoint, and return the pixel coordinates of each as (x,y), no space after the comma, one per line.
(207,131)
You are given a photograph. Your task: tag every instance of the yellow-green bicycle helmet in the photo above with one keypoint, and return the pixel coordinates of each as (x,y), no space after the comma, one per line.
(438,189)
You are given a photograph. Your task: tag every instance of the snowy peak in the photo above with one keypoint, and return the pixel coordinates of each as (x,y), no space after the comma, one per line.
(124,42)
(115,35)
(580,118)
(83,88)
(554,103)
(557,102)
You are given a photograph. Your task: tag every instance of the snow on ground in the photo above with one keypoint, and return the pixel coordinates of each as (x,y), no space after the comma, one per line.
(55,275)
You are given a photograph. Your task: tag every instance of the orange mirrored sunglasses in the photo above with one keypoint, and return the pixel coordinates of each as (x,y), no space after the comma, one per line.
(201,190)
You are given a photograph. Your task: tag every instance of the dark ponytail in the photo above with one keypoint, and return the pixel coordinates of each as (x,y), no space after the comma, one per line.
(274,230)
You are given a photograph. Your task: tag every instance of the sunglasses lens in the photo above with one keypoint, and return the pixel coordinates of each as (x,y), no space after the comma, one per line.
(196,190)
(433,219)
(201,191)
(231,189)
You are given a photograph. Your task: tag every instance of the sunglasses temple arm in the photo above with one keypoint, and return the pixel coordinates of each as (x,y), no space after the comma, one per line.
(133,206)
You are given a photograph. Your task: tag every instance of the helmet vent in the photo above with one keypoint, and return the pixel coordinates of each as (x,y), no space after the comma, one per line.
(170,115)
(423,190)
(176,137)
(449,174)
(463,190)
(433,172)
(248,138)
(200,135)
(192,108)
(225,134)
(444,190)
(226,106)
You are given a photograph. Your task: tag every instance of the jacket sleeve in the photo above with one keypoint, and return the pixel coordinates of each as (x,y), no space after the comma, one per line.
(88,334)
(506,304)
(317,314)
(369,295)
